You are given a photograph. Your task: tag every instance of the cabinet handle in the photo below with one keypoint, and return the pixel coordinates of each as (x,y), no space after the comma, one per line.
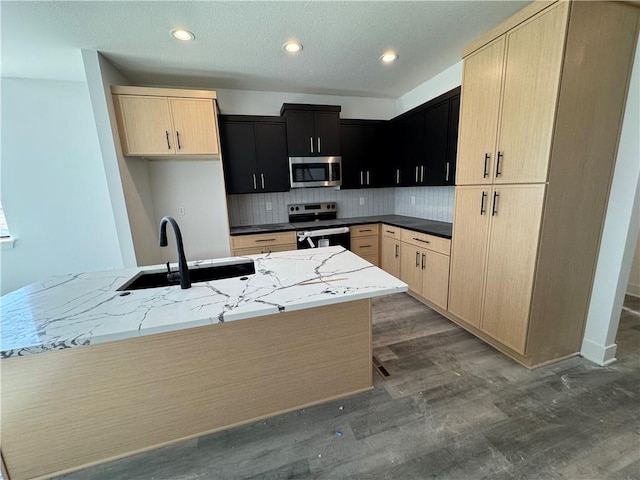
(486,165)
(255,186)
(494,209)
(482,209)
(361,178)
(390,231)
(311,142)
(423,255)
(397,248)
(417,172)
(178,137)
(366,246)
(421,240)
(366,230)
(397,176)
(262,180)
(265,240)
(368,177)
(168,144)
(446,176)
(319,145)
(498,172)
(421,173)
(417,259)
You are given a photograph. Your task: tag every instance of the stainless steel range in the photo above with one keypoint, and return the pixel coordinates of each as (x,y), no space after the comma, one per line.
(317,225)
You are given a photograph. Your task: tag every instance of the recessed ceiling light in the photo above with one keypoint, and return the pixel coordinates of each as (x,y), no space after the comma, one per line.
(388,57)
(182,34)
(292,47)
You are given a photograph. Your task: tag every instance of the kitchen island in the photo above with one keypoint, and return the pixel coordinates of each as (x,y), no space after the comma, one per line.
(90,373)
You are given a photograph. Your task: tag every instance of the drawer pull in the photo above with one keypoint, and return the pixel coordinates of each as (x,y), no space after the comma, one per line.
(265,240)
(390,231)
(367,230)
(366,246)
(421,240)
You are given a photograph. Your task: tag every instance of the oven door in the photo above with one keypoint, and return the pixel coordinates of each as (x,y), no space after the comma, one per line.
(315,171)
(326,237)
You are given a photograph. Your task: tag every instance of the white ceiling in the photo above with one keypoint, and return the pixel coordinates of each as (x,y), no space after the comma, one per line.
(238,43)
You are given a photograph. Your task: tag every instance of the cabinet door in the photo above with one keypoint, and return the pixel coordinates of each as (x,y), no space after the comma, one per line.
(452,141)
(327,130)
(436,127)
(411,139)
(481,85)
(301,141)
(377,162)
(239,156)
(513,244)
(352,151)
(468,252)
(390,256)
(435,281)
(272,159)
(411,267)
(146,125)
(194,123)
(531,81)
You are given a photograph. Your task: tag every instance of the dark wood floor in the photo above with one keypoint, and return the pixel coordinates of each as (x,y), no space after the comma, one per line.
(451,408)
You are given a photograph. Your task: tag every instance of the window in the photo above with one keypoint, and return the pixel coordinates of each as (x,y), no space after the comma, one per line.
(4,228)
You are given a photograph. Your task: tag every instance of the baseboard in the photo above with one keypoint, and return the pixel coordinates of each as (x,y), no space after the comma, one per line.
(598,354)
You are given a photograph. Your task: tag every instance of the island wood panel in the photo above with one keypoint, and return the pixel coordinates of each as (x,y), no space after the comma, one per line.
(530,91)
(599,51)
(66,409)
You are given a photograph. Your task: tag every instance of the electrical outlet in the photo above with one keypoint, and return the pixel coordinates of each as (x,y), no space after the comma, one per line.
(180,210)
(268,206)
(361,200)
(413,200)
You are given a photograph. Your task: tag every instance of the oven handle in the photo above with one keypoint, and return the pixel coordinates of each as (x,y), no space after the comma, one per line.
(302,236)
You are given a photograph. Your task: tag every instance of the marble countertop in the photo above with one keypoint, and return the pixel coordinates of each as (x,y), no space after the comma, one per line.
(432,227)
(70,311)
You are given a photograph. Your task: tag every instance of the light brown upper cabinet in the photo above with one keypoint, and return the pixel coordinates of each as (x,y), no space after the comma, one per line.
(165,122)
(534,172)
(509,96)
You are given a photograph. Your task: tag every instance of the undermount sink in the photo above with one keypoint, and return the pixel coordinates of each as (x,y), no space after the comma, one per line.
(158,278)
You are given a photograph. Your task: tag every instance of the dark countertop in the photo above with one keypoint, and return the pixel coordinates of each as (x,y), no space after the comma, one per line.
(432,227)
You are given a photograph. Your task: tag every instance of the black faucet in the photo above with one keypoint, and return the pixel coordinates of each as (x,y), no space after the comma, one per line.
(183,269)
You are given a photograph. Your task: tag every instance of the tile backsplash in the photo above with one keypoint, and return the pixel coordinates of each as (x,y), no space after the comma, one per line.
(434,203)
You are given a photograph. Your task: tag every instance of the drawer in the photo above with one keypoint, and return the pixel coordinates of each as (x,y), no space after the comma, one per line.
(389,231)
(263,239)
(364,246)
(238,252)
(430,242)
(365,230)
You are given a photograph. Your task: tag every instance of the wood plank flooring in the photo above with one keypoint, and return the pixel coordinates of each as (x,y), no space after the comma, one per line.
(452,408)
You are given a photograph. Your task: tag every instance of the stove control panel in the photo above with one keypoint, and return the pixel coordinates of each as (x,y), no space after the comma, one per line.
(312,208)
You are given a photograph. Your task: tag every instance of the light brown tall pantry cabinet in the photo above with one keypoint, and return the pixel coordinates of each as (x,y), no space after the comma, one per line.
(543,98)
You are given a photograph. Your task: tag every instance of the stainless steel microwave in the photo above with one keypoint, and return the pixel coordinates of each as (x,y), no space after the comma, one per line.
(315,171)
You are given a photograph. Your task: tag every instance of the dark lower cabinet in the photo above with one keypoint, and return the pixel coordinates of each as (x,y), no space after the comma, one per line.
(254,154)
(364,146)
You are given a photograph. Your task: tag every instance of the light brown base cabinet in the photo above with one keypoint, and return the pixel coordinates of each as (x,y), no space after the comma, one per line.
(390,246)
(424,265)
(365,242)
(262,243)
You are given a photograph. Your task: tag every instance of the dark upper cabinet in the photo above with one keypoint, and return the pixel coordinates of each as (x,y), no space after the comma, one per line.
(436,142)
(254,154)
(312,130)
(452,141)
(425,142)
(365,154)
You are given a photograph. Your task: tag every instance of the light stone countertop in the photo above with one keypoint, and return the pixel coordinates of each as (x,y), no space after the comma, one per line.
(74,310)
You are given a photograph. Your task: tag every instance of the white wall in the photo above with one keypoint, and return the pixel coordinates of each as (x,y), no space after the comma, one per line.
(54,189)
(619,236)
(197,187)
(243,102)
(633,287)
(441,83)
